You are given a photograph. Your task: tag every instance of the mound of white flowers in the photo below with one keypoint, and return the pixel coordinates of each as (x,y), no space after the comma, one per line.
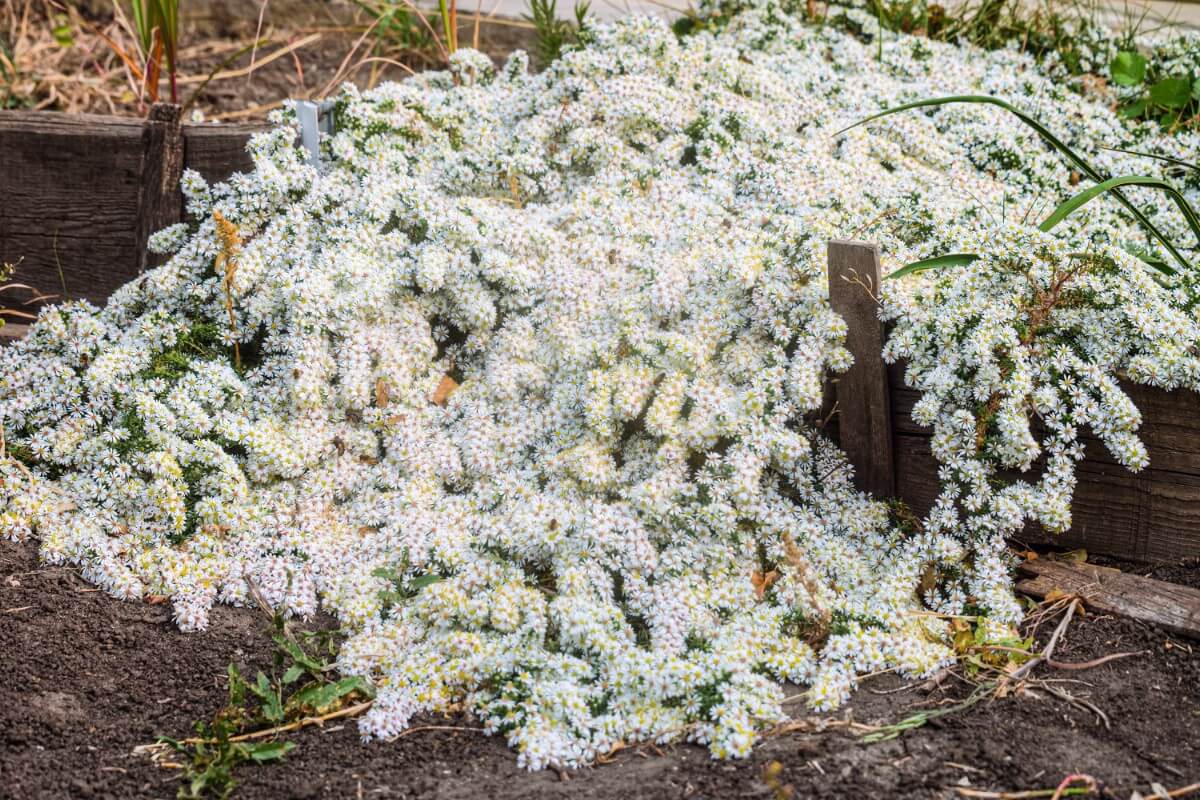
(521,383)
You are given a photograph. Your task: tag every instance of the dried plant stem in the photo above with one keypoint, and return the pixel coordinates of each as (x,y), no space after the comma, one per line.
(226,266)
(795,559)
(306,722)
(1045,655)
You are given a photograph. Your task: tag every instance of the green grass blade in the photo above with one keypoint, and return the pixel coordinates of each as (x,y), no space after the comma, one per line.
(1054,141)
(1111,185)
(1168,159)
(143,22)
(937,262)
(169,17)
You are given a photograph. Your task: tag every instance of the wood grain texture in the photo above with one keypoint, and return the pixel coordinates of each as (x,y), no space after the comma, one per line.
(70,186)
(159,201)
(82,193)
(1173,607)
(11,332)
(863,403)
(218,151)
(1170,425)
(1153,515)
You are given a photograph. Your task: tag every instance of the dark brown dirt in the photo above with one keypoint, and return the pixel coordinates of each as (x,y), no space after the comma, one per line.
(332,38)
(88,678)
(1185,574)
(310,71)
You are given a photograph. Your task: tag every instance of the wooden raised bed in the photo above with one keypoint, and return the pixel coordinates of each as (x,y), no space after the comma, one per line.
(1152,515)
(82,193)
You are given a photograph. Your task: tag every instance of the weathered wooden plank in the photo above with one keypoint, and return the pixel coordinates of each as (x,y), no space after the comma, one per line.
(11,332)
(82,193)
(70,187)
(218,151)
(1171,606)
(864,418)
(159,202)
(1151,516)
(1170,425)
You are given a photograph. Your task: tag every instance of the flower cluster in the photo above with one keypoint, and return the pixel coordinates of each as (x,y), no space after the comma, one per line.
(522,382)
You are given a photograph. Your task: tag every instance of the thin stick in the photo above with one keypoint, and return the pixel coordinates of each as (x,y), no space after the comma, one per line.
(475,35)
(1067,781)
(244,71)
(1094,663)
(248,112)
(1028,666)
(1032,793)
(1180,792)
(420,728)
(306,722)
(262,12)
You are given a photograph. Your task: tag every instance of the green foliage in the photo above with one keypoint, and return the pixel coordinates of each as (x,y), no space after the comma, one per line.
(1128,69)
(300,687)
(1037,28)
(156,23)
(211,760)
(1172,100)
(921,718)
(937,262)
(400,30)
(403,588)
(1110,185)
(1176,162)
(842,623)
(554,35)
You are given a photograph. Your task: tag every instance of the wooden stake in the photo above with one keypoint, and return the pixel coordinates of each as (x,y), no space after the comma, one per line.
(863,400)
(159,202)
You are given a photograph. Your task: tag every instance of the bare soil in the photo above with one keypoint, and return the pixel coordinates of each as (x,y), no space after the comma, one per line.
(88,678)
(307,49)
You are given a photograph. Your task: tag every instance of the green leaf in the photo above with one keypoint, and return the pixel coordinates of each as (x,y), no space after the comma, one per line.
(1196,89)
(320,698)
(1053,141)
(1141,254)
(1135,109)
(272,706)
(1171,92)
(1128,69)
(1112,185)
(271,751)
(237,686)
(297,654)
(419,583)
(1167,159)
(174,744)
(293,674)
(937,262)
(143,22)
(62,32)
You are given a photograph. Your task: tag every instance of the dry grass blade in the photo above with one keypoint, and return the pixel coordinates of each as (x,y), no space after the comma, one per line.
(226,266)
(1073,604)
(249,70)
(252,111)
(981,794)
(265,733)
(1182,791)
(1094,662)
